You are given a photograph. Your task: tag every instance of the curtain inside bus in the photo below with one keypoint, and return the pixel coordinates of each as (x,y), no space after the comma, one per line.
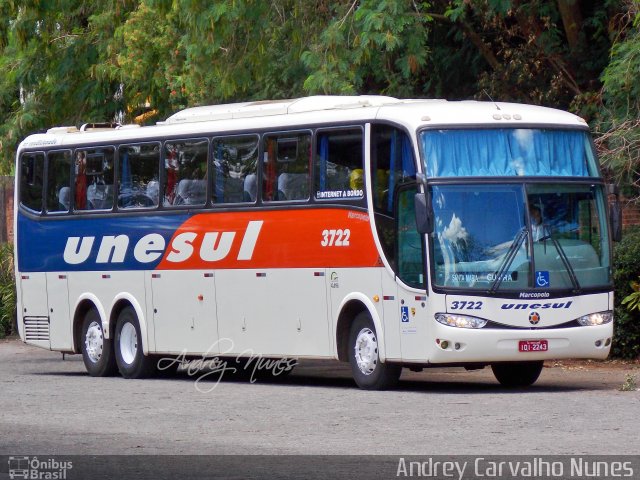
(507,152)
(400,160)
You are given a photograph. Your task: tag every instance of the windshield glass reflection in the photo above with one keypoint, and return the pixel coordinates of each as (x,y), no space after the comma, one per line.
(475,228)
(503,237)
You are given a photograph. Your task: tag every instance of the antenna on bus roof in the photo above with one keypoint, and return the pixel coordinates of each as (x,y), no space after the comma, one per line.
(487,94)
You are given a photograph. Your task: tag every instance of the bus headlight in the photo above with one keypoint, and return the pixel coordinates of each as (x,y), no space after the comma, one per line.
(599,318)
(460,321)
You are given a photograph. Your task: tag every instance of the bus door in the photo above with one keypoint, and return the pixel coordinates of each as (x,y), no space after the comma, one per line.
(410,270)
(393,188)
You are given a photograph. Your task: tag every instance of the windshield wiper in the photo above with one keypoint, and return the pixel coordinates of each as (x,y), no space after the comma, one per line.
(563,257)
(509,258)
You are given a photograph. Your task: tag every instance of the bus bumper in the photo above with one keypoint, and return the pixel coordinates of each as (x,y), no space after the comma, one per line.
(460,345)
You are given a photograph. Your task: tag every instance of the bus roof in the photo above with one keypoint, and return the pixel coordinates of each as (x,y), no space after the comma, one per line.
(315,110)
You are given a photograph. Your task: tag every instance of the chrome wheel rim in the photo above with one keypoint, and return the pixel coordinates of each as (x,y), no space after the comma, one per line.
(366,351)
(94,342)
(128,343)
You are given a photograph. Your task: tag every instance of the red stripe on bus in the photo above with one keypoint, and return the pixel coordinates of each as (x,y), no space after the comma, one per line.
(304,238)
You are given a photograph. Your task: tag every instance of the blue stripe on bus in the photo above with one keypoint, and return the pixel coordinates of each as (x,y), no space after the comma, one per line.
(41,244)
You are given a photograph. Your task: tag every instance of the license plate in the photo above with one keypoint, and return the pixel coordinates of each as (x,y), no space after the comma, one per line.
(533,346)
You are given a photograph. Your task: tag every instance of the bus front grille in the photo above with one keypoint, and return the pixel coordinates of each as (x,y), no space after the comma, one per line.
(36,328)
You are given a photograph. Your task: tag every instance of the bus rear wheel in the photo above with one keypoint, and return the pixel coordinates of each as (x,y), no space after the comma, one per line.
(517,374)
(97,351)
(130,358)
(368,371)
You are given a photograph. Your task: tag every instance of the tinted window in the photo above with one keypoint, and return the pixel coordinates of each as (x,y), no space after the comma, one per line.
(338,165)
(59,181)
(139,169)
(185,172)
(235,161)
(286,166)
(410,253)
(31,180)
(93,184)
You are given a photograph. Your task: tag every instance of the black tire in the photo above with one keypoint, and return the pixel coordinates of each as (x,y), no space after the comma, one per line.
(368,371)
(130,358)
(97,351)
(517,374)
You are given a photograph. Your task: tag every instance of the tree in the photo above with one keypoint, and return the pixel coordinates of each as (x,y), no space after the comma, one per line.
(619,140)
(50,52)
(87,61)
(538,51)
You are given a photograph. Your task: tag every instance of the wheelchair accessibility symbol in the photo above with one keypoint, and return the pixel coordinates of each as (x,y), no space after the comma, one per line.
(404,314)
(542,279)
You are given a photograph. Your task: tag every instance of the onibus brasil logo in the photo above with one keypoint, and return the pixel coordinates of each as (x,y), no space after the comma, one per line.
(35,468)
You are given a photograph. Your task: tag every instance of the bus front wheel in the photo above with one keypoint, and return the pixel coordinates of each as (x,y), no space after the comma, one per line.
(130,358)
(367,369)
(97,351)
(517,374)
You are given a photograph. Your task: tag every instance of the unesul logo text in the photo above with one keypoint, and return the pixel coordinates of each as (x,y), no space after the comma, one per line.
(215,246)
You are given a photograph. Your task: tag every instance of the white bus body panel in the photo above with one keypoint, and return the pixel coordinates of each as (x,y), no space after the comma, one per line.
(33,319)
(273,312)
(184,312)
(361,284)
(60,325)
(103,289)
(33,290)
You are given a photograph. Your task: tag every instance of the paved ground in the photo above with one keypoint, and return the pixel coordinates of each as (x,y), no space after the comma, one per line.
(50,406)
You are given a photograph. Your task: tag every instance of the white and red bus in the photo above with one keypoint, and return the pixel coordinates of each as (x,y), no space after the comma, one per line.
(382,232)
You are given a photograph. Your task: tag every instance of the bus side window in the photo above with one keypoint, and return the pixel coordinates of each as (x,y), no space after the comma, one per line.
(286,166)
(235,160)
(410,252)
(32,180)
(94,178)
(339,165)
(139,169)
(185,172)
(58,181)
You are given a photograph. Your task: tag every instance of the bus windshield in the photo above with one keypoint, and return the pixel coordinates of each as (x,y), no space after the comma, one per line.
(507,237)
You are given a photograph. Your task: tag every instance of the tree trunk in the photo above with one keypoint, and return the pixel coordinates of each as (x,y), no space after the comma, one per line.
(572,21)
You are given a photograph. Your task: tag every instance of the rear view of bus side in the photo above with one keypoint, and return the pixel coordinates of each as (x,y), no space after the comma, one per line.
(381,232)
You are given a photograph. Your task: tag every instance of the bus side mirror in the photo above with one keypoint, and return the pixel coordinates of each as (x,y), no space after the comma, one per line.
(615,217)
(424,213)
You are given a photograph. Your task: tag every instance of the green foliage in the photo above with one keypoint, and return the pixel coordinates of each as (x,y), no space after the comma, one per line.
(621,88)
(7,290)
(529,55)
(379,47)
(626,264)
(619,141)
(632,301)
(76,61)
(48,64)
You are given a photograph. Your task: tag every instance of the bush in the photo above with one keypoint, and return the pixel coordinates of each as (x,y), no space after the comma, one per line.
(7,290)
(626,265)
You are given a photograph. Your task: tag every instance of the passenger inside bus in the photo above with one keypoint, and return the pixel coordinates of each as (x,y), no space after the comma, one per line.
(81,181)
(64,198)
(537,228)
